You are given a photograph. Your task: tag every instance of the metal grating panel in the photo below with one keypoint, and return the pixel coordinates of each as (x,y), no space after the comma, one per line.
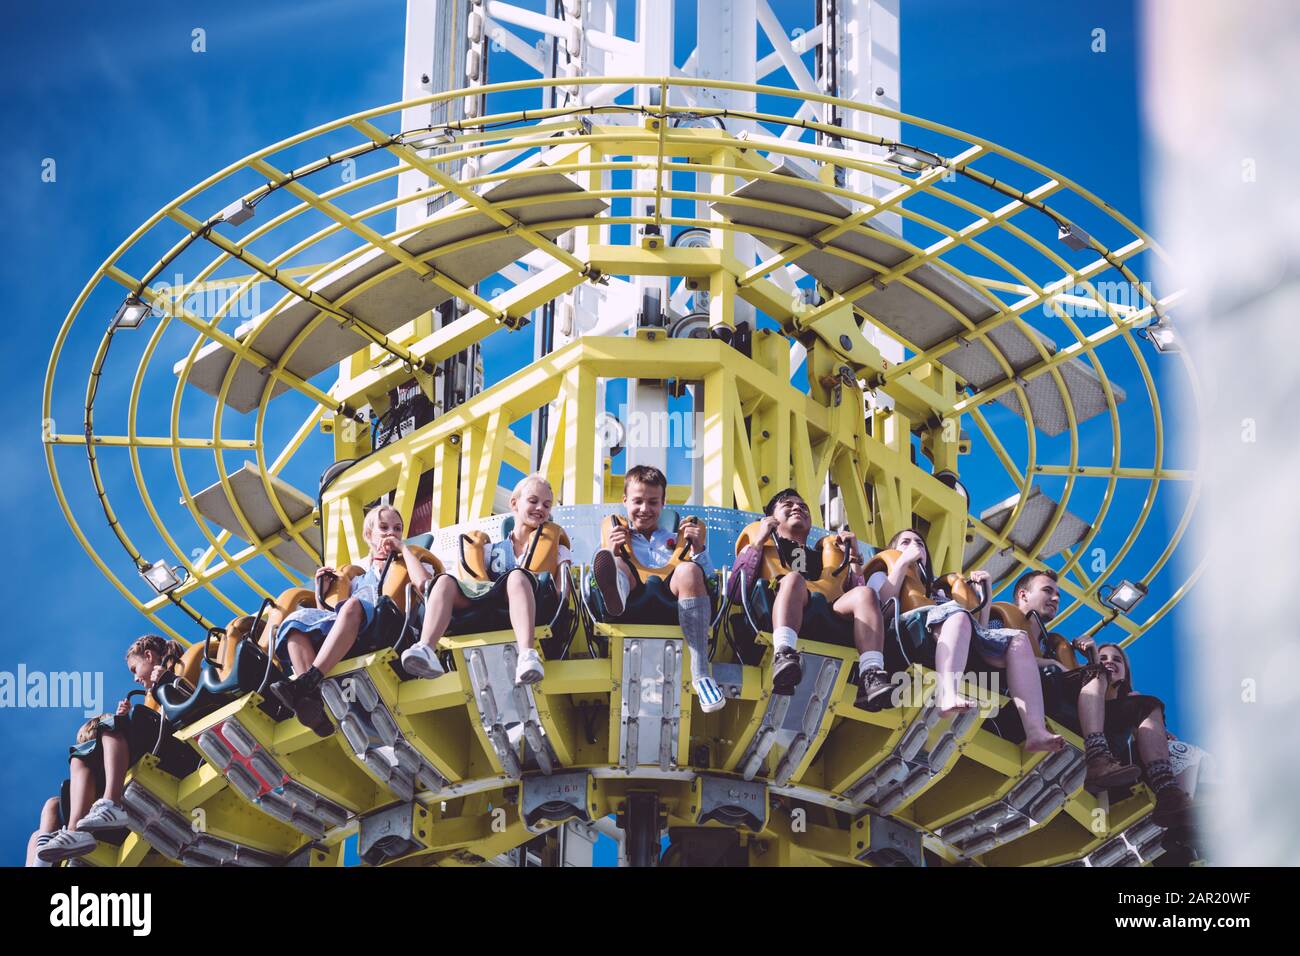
(910,313)
(393,300)
(255,503)
(1038,511)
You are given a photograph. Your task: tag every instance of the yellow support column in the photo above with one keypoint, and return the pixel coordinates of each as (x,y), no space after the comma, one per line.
(408,484)
(471,446)
(489,469)
(446,466)
(805,479)
(748,496)
(770,424)
(552,462)
(719,463)
(353,518)
(580,466)
(722,299)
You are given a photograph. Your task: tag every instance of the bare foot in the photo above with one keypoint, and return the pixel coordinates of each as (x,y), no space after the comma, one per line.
(953,703)
(1044,743)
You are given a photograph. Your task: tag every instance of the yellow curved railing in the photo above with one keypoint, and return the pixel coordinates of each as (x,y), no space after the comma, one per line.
(608,149)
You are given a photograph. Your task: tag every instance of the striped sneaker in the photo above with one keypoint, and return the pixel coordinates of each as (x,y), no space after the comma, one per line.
(66,844)
(41,840)
(104,815)
(708,693)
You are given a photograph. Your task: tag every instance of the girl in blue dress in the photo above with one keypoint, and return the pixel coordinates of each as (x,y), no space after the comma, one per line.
(530,503)
(103,754)
(314,639)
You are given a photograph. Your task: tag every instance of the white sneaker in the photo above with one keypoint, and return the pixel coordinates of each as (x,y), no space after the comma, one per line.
(66,844)
(421,660)
(42,839)
(529,670)
(104,815)
(708,694)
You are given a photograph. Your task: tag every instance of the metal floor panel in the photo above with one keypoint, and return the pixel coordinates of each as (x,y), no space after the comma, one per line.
(392,301)
(1038,511)
(909,312)
(246,483)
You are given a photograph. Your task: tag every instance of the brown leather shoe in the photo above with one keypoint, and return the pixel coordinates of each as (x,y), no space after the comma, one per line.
(1106,773)
(787,671)
(1173,809)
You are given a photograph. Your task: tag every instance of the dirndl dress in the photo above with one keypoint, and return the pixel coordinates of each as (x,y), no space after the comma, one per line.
(989,641)
(316,622)
(501,561)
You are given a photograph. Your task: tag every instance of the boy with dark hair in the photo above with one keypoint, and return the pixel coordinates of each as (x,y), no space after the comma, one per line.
(645,490)
(788,521)
(1038,596)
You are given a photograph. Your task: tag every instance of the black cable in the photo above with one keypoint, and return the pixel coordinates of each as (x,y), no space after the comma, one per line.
(101,494)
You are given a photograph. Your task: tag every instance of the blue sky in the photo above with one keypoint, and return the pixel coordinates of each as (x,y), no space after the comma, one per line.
(132,117)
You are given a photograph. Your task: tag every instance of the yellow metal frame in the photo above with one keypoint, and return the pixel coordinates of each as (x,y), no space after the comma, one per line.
(794,437)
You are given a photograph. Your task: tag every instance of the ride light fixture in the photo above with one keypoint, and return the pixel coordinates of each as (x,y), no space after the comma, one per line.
(162,577)
(131,313)
(237,213)
(909,157)
(1124,596)
(1073,236)
(1162,335)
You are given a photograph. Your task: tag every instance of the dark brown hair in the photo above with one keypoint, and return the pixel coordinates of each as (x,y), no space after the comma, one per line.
(780,496)
(646,475)
(1023,582)
(169,652)
(893,542)
(1124,687)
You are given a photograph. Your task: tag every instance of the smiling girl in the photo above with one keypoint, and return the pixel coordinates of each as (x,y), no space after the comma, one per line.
(510,581)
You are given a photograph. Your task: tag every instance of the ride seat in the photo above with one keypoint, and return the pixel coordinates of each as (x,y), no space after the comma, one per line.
(669,520)
(834,558)
(542,557)
(652,602)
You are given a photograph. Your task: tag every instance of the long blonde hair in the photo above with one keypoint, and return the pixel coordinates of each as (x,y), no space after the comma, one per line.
(372,518)
(90,729)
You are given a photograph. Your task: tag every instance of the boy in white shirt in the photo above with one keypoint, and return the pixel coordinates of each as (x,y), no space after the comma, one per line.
(645,489)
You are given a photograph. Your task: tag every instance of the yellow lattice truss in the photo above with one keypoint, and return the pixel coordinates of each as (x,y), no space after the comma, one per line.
(854,421)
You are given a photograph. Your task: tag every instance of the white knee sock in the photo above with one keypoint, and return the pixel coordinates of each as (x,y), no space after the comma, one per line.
(693,616)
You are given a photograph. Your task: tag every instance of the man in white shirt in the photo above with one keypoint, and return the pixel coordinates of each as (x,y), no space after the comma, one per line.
(645,490)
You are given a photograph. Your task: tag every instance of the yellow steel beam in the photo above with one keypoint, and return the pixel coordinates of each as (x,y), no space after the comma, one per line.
(153,441)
